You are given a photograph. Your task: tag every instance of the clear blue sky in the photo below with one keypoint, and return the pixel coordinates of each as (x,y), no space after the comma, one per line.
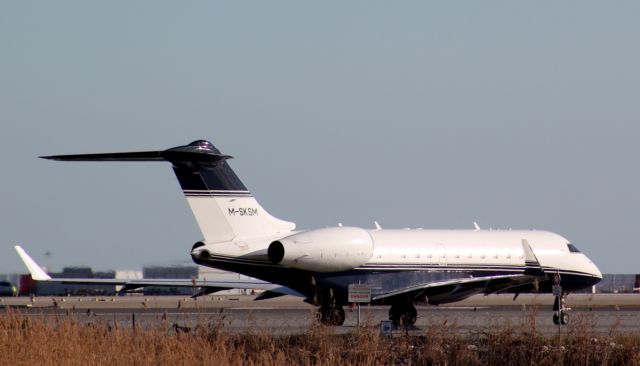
(415,114)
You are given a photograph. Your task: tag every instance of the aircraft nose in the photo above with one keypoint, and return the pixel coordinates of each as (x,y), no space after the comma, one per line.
(593,270)
(597,273)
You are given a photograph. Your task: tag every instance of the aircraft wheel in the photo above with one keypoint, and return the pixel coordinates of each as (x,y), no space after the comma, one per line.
(339,315)
(395,315)
(403,315)
(564,318)
(410,315)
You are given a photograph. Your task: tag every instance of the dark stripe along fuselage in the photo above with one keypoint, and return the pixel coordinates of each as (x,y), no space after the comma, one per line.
(389,278)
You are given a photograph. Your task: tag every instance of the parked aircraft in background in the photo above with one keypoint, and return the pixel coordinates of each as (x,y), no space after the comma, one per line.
(200,286)
(402,267)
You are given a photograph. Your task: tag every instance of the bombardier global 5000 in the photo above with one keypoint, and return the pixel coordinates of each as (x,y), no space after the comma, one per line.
(401,267)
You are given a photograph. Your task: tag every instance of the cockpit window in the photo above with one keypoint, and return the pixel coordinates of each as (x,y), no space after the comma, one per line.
(572,248)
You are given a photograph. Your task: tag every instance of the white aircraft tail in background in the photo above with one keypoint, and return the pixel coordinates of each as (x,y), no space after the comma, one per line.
(203,286)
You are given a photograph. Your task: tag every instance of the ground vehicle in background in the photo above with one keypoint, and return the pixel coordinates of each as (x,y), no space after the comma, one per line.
(7,289)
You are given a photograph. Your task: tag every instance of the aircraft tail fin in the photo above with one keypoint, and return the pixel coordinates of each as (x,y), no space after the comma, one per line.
(223,207)
(37,273)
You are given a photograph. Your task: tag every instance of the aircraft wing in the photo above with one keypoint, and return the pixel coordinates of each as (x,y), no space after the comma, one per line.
(458,289)
(204,286)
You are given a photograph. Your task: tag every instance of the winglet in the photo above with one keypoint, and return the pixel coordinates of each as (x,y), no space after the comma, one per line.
(37,273)
(532,265)
(529,257)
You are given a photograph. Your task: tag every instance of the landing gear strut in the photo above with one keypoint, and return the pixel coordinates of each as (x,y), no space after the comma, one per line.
(330,313)
(403,313)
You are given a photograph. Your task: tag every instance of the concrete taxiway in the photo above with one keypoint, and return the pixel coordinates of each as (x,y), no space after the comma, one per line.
(595,313)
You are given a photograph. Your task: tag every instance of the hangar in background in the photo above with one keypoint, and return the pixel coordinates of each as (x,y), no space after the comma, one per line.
(618,283)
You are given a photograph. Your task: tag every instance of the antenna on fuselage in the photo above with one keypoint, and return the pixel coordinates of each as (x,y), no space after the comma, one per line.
(475,224)
(378,227)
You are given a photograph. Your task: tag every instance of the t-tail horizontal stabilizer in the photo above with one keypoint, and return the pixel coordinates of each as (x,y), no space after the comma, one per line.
(223,207)
(202,152)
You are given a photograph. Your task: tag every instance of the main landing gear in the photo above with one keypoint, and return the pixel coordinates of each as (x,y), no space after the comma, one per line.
(403,313)
(330,313)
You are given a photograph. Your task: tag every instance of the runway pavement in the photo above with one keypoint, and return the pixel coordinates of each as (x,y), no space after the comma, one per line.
(599,314)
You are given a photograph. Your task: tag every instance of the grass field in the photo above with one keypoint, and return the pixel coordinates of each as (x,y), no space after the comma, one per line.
(64,340)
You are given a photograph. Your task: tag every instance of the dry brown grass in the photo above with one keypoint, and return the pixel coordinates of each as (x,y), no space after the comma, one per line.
(66,341)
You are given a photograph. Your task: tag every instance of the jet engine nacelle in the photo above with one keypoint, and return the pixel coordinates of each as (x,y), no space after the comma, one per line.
(323,250)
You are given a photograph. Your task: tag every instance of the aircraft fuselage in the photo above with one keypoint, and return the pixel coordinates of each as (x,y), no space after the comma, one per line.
(401,259)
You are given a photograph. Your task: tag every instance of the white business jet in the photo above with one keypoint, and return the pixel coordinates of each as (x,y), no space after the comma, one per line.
(401,267)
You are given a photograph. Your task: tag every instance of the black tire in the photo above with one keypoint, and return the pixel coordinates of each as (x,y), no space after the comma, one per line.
(410,316)
(403,315)
(556,319)
(564,318)
(339,315)
(395,315)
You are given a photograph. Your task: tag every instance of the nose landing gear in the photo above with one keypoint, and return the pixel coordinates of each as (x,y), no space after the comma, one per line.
(560,315)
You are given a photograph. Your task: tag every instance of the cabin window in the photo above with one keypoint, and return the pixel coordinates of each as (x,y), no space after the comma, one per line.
(572,248)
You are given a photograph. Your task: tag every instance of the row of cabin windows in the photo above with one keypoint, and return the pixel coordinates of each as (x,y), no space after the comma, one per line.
(572,248)
(456,256)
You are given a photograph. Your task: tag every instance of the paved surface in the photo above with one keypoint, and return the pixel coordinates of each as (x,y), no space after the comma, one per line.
(599,314)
